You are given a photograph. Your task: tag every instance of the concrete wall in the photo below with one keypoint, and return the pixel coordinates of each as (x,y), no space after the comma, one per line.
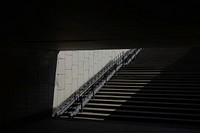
(27,84)
(27,80)
(74,68)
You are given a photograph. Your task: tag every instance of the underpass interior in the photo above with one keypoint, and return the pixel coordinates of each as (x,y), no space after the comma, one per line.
(33,32)
(169,79)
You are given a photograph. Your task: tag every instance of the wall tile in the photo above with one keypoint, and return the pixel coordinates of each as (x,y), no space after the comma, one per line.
(61,95)
(80,80)
(62,55)
(91,72)
(86,75)
(86,64)
(68,76)
(91,60)
(61,66)
(80,67)
(74,72)
(81,55)
(68,64)
(61,82)
(68,53)
(75,58)
(74,85)
(68,90)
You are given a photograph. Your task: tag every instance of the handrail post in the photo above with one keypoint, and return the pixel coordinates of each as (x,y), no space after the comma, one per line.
(116,69)
(81,103)
(93,93)
(123,60)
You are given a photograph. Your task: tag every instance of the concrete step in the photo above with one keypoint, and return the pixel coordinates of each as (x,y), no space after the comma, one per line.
(135,118)
(143,108)
(147,103)
(164,113)
(153,87)
(158,73)
(156,77)
(163,99)
(153,83)
(126,69)
(133,67)
(166,91)
(155,94)
(174,76)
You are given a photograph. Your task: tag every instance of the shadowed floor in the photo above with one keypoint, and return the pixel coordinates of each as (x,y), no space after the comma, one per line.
(80,126)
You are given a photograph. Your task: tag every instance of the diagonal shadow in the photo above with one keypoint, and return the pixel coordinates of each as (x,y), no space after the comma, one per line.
(163,90)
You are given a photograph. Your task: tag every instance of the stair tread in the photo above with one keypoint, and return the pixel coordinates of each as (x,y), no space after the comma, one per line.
(156,98)
(152,86)
(140,117)
(149,102)
(131,68)
(139,106)
(112,96)
(154,83)
(143,93)
(157,69)
(153,77)
(89,118)
(152,80)
(134,111)
(147,90)
(159,73)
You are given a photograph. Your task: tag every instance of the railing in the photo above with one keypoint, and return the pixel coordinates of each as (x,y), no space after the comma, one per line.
(90,88)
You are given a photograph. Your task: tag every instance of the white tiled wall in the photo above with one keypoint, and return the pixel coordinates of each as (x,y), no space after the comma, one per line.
(74,68)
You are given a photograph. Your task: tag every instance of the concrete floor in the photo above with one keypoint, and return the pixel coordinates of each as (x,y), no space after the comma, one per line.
(81,126)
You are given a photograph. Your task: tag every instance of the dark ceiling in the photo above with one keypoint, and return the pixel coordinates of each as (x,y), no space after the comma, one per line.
(99,24)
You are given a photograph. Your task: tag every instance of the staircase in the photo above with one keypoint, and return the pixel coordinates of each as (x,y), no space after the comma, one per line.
(161,85)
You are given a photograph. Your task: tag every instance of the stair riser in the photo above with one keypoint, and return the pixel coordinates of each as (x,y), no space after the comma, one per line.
(142,77)
(153,95)
(152,109)
(148,114)
(178,105)
(159,81)
(153,99)
(152,91)
(152,84)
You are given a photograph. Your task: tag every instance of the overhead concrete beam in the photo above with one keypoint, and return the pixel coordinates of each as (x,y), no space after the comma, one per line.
(67,25)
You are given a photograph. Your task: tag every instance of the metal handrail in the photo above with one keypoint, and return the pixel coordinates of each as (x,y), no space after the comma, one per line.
(93,84)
